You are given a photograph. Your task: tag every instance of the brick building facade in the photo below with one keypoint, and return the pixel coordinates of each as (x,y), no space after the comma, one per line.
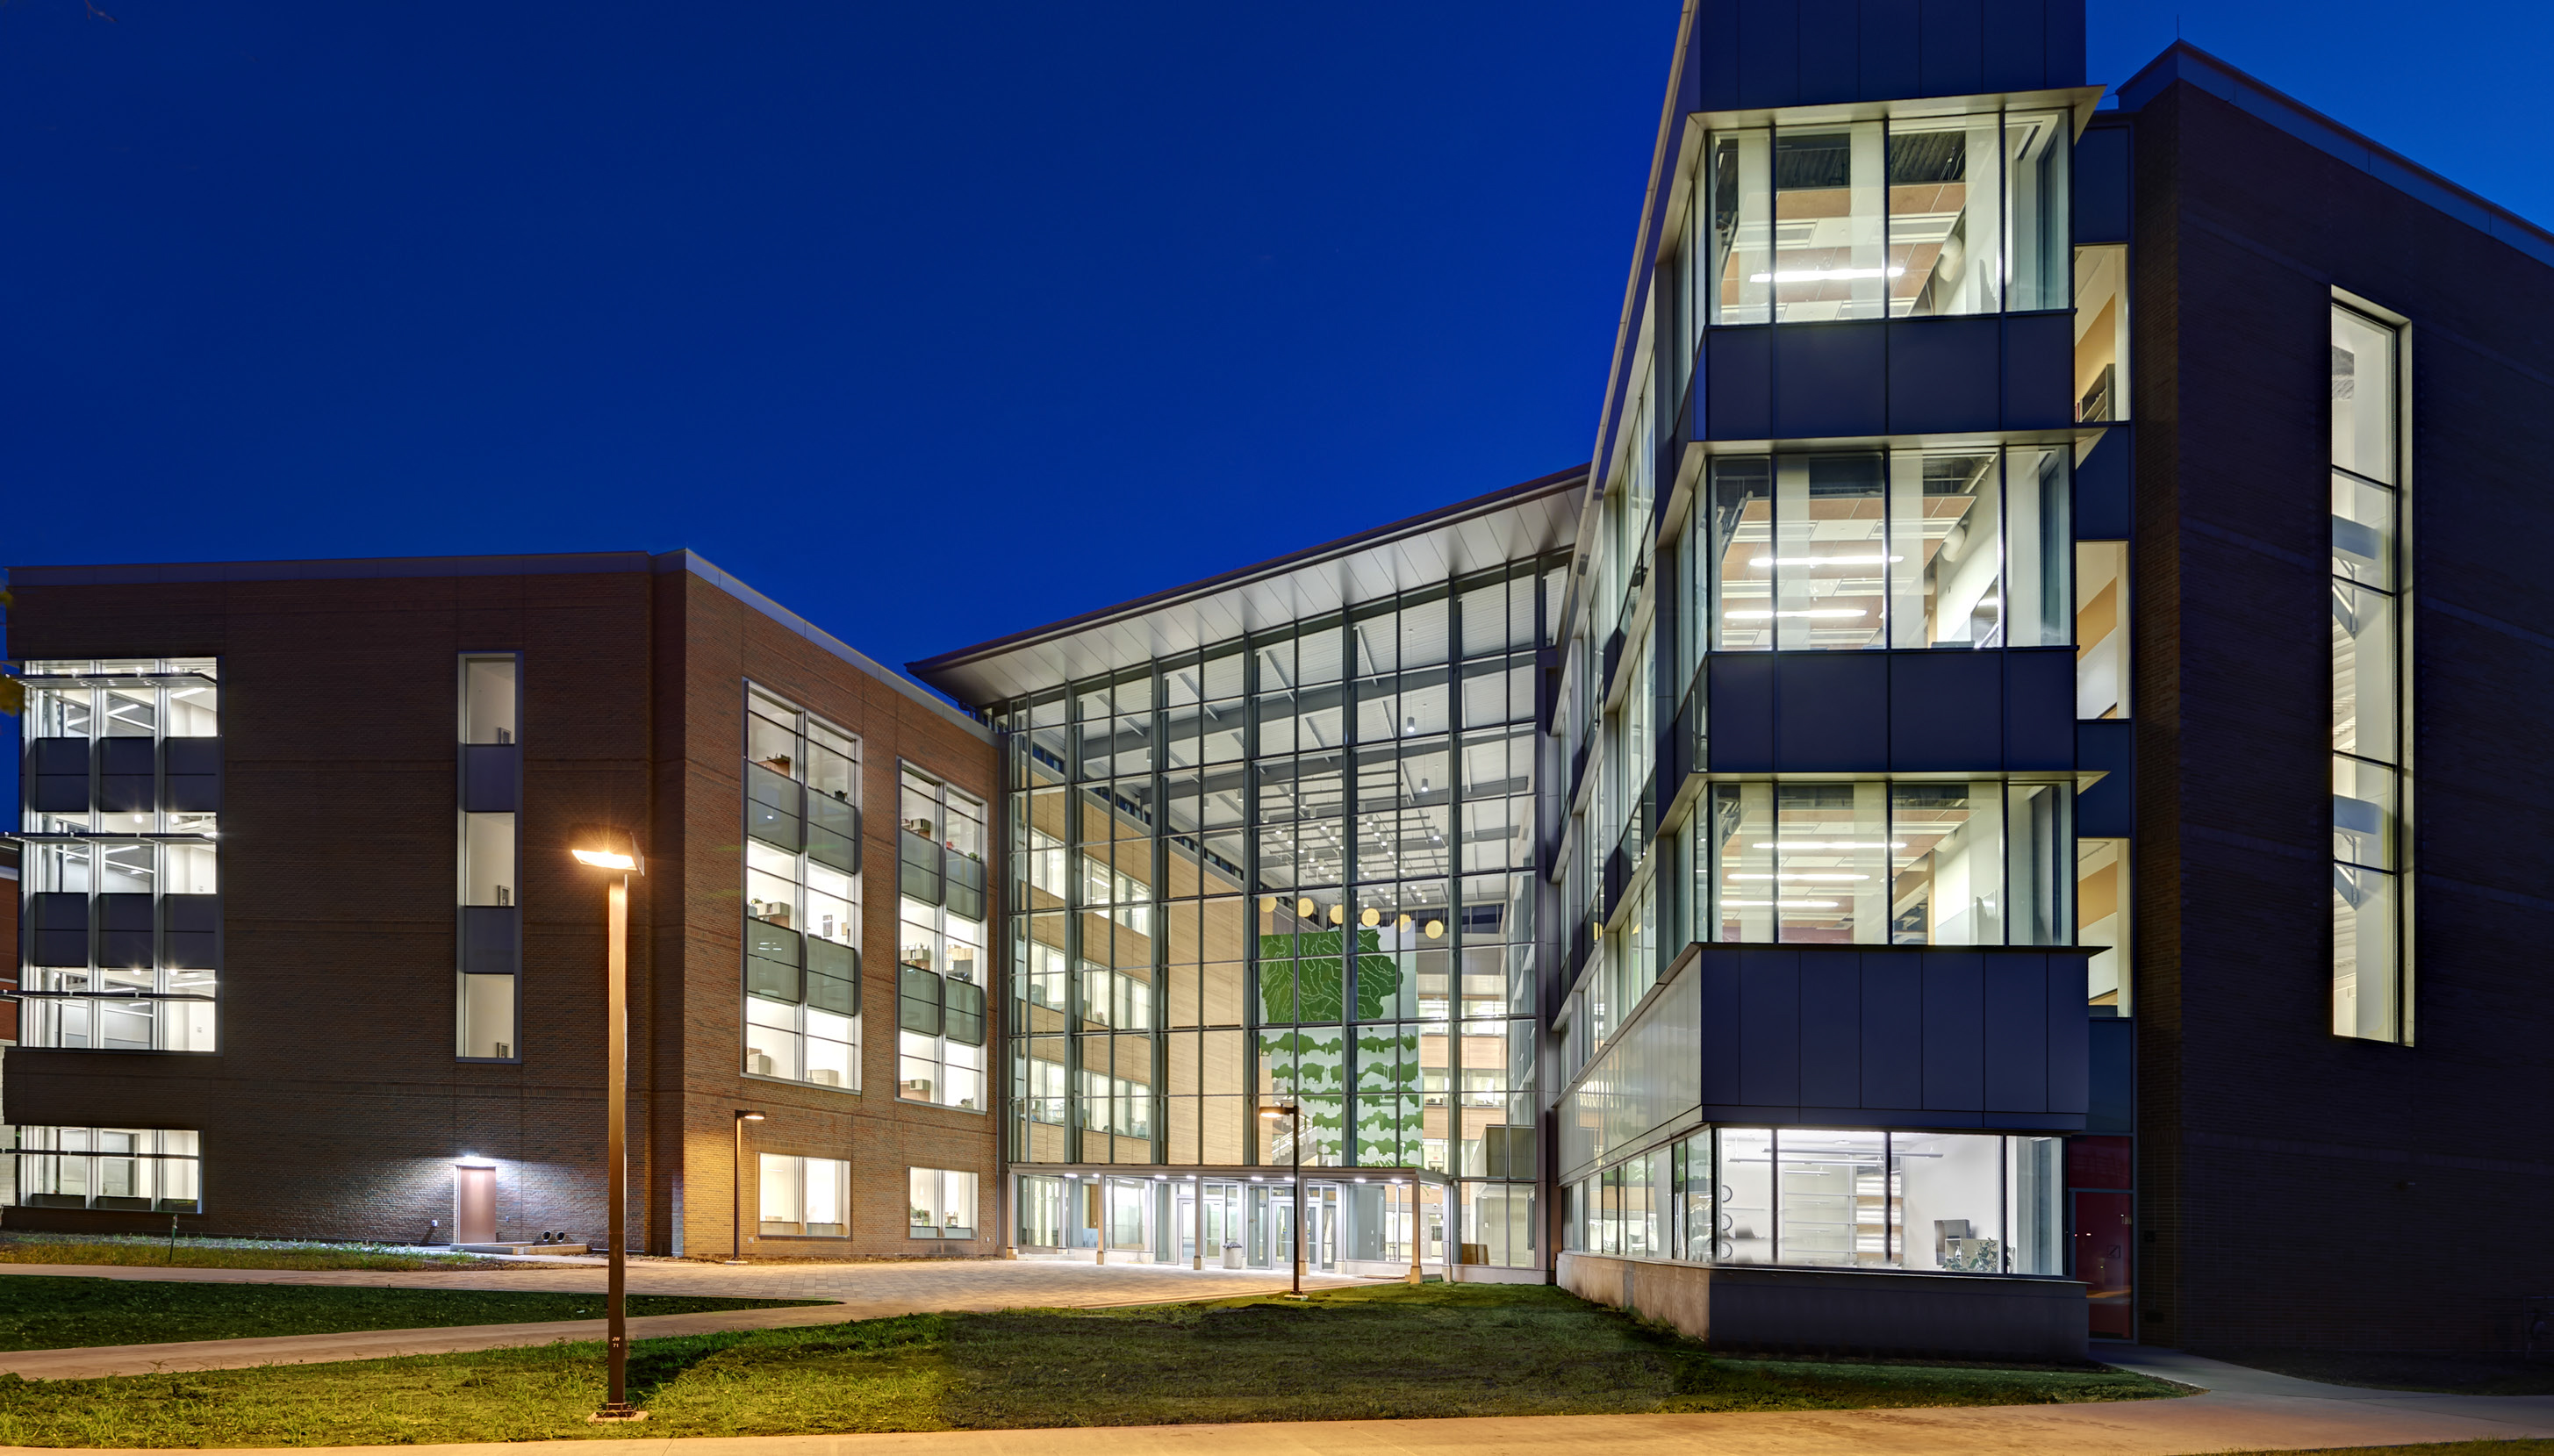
(334,1100)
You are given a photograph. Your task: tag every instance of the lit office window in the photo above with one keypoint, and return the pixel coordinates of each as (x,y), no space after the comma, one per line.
(1907,548)
(2371,955)
(1905,218)
(2102,916)
(941,972)
(1882,862)
(944,1204)
(1835,1199)
(802,896)
(489,938)
(129,1170)
(121,776)
(805,1197)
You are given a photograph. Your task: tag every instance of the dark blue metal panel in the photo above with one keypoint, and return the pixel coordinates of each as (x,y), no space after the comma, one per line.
(2099,185)
(1953,1053)
(1769,1009)
(1832,378)
(2068,1026)
(1831,712)
(1770,32)
(2016,45)
(2038,371)
(1893,1017)
(1832,1027)
(1945,710)
(1945,374)
(2110,1047)
(1829,68)
(2109,808)
(1949,47)
(2016,1021)
(1723,1028)
(1741,737)
(2039,708)
(1888,31)
(1738,383)
(1716,61)
(2103,504)
(2066,61)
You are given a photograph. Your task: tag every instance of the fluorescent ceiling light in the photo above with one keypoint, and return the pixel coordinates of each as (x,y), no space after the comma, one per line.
(1798,874)
(1785,904)
(1790,845)
(1813,612)
(1823,560)
(1822,274)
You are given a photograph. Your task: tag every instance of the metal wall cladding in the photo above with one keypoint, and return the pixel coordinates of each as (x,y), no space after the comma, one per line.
(1864,377)
(1814,52)
(1894,1036)
(2009,709)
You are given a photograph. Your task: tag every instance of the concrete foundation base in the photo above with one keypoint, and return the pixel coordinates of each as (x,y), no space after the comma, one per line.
(1873,1312)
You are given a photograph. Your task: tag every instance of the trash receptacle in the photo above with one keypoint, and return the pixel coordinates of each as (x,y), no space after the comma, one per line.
(1232,1256)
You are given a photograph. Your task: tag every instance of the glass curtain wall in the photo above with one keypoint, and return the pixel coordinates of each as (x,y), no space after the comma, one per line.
(2371,953)
(1984,861)
(1298,866)
(802,896)
(1904,549)
(119,890)
(1832,1198)
(1906,218)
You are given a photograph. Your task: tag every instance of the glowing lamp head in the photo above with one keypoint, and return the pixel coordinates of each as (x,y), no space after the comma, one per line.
(599,846)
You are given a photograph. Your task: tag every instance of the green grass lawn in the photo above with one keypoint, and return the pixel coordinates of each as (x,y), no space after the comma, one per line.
(1387,1351)
(50,1312)
(228,1254)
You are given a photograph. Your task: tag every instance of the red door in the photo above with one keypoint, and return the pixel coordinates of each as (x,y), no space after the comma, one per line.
(2102,1262)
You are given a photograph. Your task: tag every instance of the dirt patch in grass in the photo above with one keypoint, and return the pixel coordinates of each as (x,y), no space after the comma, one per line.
(48,1313)
(1393,1351)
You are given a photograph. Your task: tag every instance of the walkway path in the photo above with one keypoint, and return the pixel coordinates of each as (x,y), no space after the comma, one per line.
(859,1292)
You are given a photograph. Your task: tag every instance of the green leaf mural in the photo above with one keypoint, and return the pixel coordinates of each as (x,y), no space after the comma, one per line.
(1304,978)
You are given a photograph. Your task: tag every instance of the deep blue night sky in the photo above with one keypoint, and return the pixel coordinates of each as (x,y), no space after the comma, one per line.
(933,321)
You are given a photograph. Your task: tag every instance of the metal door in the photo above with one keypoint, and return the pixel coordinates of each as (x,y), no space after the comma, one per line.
(474,1205)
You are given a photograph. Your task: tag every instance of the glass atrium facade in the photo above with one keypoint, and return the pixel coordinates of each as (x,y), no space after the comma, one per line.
(1295,868)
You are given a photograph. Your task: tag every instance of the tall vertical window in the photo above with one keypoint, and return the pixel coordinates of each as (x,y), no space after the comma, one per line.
(940,938)
(491,921)
(802,927)
(2371,954)
(121,909)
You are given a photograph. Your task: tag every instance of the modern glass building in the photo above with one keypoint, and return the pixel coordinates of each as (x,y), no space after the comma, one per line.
(1279,840)
(2002,796)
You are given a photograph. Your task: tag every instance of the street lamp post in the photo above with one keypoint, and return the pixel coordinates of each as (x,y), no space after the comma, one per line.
(737,1222)
(613,850)
(1294,1273)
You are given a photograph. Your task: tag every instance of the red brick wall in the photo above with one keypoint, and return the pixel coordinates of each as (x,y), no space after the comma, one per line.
(709,644)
